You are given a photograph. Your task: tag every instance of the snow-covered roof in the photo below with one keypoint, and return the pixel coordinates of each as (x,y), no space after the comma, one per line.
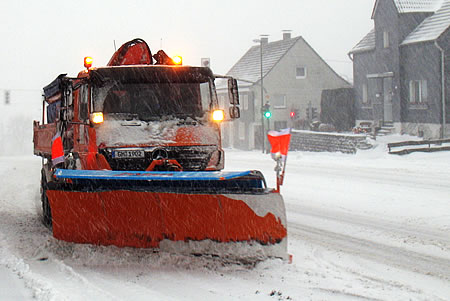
(429,30)
(249,66)
(432,27)
(412,6)
(366,44)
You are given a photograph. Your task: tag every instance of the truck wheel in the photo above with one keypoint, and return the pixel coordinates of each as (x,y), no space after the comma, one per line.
(46,210)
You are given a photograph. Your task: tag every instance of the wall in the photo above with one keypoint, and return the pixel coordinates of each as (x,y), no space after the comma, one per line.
(421,61)
(408,22)
(444,41)
(388,59)
(363,63)
(326,142)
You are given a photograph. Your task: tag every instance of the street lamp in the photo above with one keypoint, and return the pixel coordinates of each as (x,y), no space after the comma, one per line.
(260,41)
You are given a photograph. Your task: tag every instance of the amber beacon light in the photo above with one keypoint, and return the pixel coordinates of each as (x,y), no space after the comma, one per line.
(88,62)
(178,60)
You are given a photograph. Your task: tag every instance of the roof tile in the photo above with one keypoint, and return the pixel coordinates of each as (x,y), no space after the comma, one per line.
(249,66)
(432,27)
(411,6)
(366,44)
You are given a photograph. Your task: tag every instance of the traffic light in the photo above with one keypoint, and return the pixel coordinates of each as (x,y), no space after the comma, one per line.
(266,111)
(311,113)
(314,113)
(294,114)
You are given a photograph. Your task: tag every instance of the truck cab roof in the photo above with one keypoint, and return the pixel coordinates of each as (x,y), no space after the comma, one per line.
(151,74)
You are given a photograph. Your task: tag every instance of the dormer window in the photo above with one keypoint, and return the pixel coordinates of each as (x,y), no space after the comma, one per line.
(386,39)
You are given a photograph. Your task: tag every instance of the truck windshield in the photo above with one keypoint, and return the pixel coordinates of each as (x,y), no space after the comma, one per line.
(153,101)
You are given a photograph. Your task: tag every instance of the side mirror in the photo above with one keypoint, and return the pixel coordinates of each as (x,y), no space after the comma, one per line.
(235,112)
(233,93)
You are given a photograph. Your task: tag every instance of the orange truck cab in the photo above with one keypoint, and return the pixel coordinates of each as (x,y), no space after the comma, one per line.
(134,118)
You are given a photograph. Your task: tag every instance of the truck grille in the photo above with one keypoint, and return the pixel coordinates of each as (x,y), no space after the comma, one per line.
(191,158)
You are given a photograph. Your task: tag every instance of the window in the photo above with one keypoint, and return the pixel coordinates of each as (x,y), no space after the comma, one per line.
(150,101)
(365,99)
(386,39)
(83,99)
(221,101)
(279,101)
(205,95)
(301,72)
(53,110)
(244,100)
(241,130)
(418,91)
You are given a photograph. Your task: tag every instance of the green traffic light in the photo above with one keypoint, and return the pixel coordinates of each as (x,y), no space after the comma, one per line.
(267,114)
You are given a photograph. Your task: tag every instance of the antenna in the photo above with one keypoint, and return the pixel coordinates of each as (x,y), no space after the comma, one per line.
(115,48)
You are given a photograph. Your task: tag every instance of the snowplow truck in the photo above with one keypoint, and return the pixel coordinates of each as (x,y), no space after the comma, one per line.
(132,157)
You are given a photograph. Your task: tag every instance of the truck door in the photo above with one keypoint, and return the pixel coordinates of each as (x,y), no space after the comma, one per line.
(82,127)
(43,133)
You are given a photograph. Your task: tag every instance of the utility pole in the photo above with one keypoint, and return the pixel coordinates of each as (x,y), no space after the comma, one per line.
(7,97)
(263,132)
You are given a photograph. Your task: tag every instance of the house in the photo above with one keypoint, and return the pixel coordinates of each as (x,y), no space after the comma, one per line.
(294,76)
(401,68)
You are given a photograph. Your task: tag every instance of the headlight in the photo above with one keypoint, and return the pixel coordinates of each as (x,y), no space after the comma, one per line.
(218,115)
(97,118)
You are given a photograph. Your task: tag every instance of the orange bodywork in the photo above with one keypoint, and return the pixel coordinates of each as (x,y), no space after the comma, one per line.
(164,216)
(144,219)
(42,138)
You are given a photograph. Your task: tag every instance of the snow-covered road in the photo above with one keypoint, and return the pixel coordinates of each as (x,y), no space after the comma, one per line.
(369,226)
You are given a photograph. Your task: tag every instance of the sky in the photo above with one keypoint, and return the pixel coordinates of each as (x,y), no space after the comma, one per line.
(41,39)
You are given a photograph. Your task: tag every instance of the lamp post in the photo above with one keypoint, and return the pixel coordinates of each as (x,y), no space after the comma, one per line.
(260,41)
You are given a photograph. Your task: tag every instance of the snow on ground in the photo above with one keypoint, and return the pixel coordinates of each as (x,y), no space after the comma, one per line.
(370,226)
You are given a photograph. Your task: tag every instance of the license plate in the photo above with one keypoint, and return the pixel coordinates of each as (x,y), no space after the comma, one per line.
(124,154)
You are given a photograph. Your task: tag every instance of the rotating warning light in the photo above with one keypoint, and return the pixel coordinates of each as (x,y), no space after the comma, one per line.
(218,115)
(97,118)
(88,62)
(177,60)
(292,114)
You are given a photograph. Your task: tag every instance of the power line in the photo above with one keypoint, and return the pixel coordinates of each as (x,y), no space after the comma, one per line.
(21,90)
(339,61)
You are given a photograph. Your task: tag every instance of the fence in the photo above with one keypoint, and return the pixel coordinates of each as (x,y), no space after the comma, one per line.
(415,146)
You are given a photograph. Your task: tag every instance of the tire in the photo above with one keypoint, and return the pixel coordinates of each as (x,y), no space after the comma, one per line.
(46,210)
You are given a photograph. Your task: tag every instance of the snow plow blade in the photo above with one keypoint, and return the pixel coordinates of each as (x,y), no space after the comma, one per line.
(226,214)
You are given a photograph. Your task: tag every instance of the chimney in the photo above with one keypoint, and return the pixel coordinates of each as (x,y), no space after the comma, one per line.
(264,39)
(286,34)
